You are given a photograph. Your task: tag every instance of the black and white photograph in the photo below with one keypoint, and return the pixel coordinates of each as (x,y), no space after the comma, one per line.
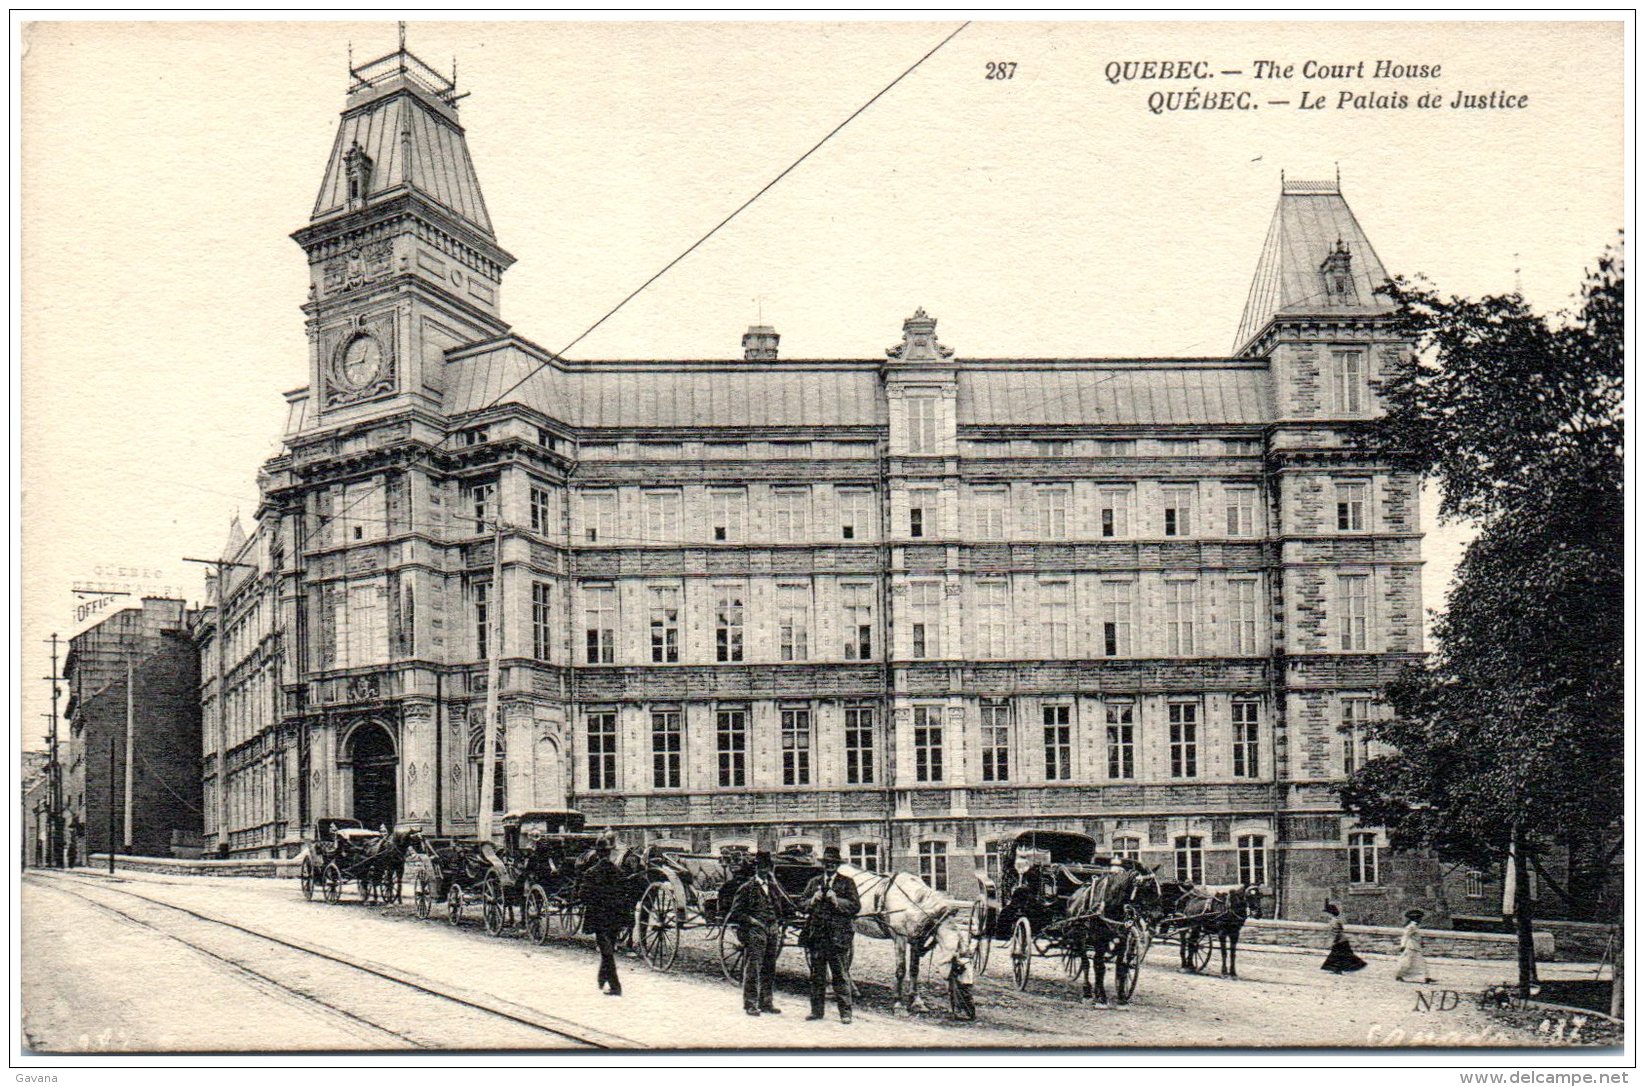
(953,537)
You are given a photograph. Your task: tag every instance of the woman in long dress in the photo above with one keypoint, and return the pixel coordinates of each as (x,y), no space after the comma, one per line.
(1342,958)
(1412,966)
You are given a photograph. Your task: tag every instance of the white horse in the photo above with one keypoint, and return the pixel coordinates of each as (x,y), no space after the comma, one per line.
(900,907)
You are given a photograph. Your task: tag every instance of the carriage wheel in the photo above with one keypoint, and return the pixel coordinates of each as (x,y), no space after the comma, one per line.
(657,929)
(333,880)
(491,895)
(536,914)
(454,904)
(393,889)
(1022,952)
(1196,950)
(731,953)
(567,920)
(307,879)
(424,897)
(982,935)
(1128,962)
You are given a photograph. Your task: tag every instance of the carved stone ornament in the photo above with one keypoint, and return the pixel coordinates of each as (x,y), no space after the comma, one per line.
(358,266)
(359,361)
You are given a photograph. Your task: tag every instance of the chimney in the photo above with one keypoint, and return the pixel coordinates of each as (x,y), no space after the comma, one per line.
(760,343)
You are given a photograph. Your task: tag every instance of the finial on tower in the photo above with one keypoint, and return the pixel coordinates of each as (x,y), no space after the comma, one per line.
(402,35)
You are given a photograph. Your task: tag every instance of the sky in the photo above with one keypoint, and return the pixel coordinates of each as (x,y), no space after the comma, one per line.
(1052,213)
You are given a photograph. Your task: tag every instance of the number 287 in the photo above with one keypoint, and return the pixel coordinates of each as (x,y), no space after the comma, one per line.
(1001,69)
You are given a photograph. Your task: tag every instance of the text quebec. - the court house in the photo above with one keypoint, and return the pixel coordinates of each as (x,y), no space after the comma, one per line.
(908,605)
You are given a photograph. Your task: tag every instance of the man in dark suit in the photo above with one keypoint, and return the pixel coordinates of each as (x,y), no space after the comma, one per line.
(756,911)
(604,895)
(830,901)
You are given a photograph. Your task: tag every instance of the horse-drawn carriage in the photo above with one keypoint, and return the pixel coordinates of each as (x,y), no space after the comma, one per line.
(1057,895)
(343,852)
(1195,917)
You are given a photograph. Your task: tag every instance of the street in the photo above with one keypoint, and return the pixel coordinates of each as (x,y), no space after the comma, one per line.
(172,963)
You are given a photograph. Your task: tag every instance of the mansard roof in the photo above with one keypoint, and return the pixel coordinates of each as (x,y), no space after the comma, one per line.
(403,116)
(1310,222)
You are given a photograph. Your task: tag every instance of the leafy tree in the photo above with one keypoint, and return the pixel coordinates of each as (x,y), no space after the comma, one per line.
(1511,734)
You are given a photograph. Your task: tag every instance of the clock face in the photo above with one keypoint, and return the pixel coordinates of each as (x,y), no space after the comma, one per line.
(362,361)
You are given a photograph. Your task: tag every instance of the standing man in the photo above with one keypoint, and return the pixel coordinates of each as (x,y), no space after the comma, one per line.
(604,894)
(756,911)
(830,902)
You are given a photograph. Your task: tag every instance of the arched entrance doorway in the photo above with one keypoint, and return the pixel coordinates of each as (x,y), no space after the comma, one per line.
(371,751)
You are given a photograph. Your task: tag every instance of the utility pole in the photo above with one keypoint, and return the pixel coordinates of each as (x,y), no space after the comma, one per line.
(220,804)
(494,637)
(111,805)
(131,729)
(54,770)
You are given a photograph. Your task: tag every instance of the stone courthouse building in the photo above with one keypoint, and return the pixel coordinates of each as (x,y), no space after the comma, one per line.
(908,604)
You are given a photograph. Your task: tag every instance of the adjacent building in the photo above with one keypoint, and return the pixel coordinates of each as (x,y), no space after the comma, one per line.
(133,675)
(907,605)
(35,818)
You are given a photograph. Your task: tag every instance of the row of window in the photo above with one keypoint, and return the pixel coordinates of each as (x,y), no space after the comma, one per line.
(991,514)
(922,436)
(1054,741)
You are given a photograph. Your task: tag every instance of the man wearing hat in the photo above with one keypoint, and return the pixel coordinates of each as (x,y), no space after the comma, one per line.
(830,902)
(756,911)
(606,911)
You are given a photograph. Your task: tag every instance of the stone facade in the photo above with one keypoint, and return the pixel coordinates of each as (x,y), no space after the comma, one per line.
(908,605)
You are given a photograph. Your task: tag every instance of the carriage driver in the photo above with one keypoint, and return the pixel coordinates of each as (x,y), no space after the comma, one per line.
(756,913)
(830,902)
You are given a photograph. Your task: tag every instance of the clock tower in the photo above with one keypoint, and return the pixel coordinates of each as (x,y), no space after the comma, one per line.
(403,263)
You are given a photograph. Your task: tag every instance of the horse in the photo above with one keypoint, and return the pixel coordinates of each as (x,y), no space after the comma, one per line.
(1219,911)
(918,920)
(386,863)
(1098,912)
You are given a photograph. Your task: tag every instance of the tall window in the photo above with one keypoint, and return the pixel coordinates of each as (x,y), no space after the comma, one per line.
(1252,851)
(1242,510)
(731,744)
(1362,858)
(1348,380)
(477,511)
(602,750)
(922,512)
(996,739)
(1189,853)
(1183,718)
(859,744)
(1351,506)
(934,865)
(857,606)
(1114,506)
(925,606)
(662,517)
(1180,606)
(1247,714)
(796,741)
(665,624)
(543,521)
(993,615)
(1474,884)
(922,423)
(728,623)
(1114,612)
(993,860)
(990,506)
(1242,616)
(793,622)
(667,744)
(1054,610)
(542,615)
(1059,742)
(480,592)
(1051,502)
(1126,846)
(928,743)
(790,513)
(600,622)
(864,855)
(1353,607)
(1122,739)
(856,507)
(476,762)
(599,516)
(1179,510)
(1355,713)
(727,511)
